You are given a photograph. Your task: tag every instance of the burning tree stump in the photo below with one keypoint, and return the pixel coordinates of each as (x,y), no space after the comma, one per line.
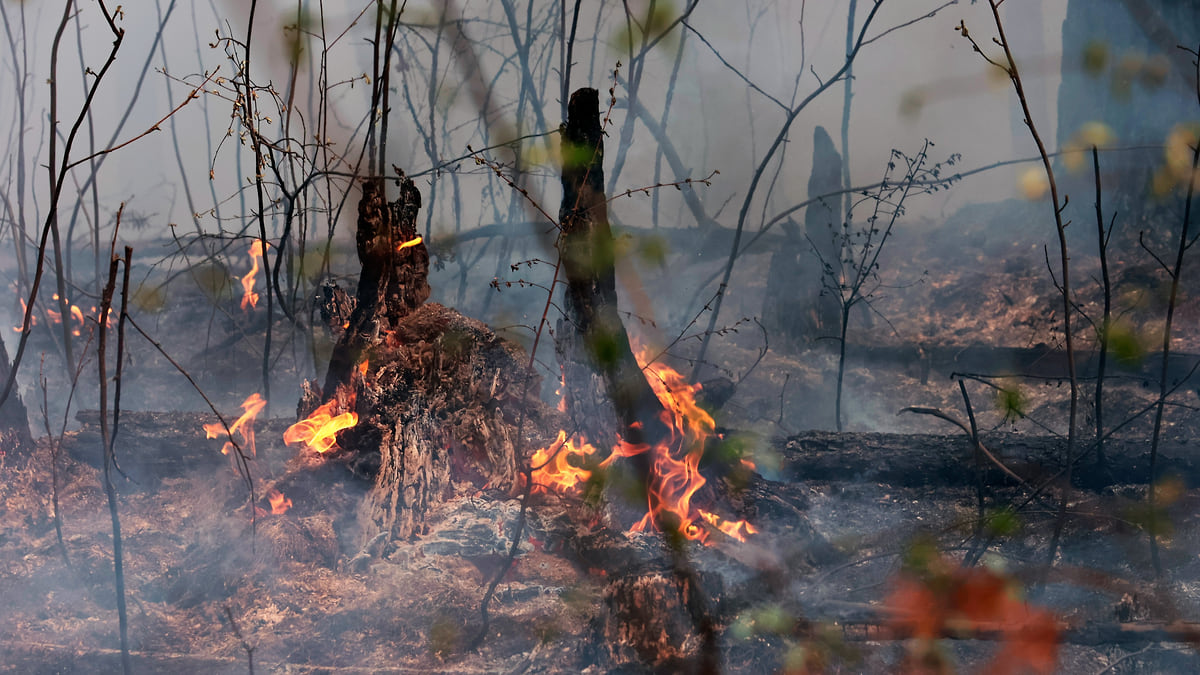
(662,618)
(438,396)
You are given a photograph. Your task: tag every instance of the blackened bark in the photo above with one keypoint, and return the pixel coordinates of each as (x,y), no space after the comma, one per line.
(604,382)
(394,279)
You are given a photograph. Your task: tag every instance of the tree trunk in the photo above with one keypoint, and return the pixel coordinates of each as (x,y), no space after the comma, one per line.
(15,438)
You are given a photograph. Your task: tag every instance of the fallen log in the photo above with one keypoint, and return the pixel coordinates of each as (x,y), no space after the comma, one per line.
(917,460)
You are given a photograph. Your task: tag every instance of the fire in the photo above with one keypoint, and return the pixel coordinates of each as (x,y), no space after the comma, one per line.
(552,467)
(243,426)
(675,466)
(249,297)
(318,431)
(55,316)
(279,503)
(411,242)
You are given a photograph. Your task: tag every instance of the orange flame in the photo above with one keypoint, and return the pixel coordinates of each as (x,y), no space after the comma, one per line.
(553,468)
(411,242)
(249,297)
(243,426)
(279,503)
(318,431)
(56,317)
(675,462)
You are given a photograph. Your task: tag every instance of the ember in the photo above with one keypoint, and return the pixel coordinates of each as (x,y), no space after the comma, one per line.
(279,503)
(411,242)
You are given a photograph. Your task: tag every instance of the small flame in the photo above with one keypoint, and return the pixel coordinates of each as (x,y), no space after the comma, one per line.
(552,467)
(411,242)
(56,317)
(243,426)
(675,462)
(318,431)
(279,503)
(249,297)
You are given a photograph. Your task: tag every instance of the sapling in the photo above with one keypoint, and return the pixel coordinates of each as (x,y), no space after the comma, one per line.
(853,278)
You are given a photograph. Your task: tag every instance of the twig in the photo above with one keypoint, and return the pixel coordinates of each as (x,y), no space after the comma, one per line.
(107,439)
(237,632)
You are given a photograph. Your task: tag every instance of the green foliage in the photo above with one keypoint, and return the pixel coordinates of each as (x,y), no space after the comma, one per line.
(1124,343)
(1095,57)
(296,37)
(658,18)
(605,348)
(1011,402)
(1003,522)
(652,250)
(213,279)
(576,155)
(445,634)
(150,299)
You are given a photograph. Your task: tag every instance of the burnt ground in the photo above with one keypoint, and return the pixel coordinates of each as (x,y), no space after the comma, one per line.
(837,512)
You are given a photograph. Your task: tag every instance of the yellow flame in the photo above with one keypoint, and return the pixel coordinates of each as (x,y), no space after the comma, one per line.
(243,426)
(249,297)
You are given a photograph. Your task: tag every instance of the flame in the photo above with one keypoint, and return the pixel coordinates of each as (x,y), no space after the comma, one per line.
(279,503)
(411,242)
(249,297)
(553,468)
(675,462)
(56,317)
(244,426)
(318,431)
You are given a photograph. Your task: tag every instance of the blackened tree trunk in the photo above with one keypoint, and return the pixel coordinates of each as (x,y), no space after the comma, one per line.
(438,395)
(605,388)
(795,307)
(664,619)
(395,274)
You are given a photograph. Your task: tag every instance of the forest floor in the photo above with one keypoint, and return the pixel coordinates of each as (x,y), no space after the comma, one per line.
(210,586)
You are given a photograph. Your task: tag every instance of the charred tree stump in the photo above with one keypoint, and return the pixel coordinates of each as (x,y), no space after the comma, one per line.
(662,618)
(437,394)
(395,274)
(796,307)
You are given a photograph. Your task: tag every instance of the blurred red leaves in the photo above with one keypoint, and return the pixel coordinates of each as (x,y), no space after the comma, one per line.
(944,600)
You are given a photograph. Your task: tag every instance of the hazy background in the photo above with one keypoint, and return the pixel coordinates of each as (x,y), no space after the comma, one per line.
(918,81)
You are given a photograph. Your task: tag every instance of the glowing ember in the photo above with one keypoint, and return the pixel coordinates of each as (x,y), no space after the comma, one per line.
(318,431)
(675,463)
(244,426)
(249,297)
(279,503)
(411,242)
